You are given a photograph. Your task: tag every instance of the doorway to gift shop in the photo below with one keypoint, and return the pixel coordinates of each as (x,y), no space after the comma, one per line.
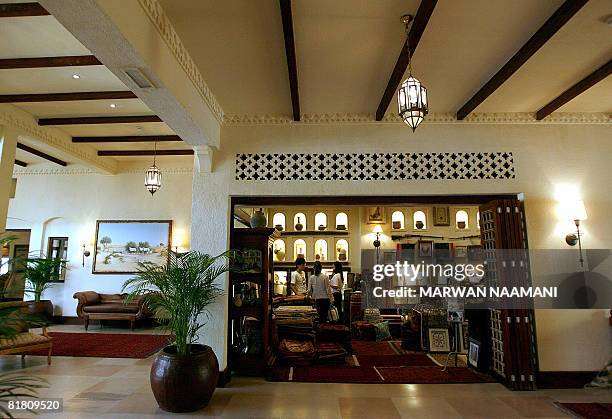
(303,305)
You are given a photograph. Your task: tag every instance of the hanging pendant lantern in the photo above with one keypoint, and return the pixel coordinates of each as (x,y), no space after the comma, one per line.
(153,176)
(412,95)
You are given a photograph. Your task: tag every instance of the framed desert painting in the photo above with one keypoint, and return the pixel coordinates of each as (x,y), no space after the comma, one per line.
(122,245)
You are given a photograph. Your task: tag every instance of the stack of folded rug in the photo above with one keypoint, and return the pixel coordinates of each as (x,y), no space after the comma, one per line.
(297,352)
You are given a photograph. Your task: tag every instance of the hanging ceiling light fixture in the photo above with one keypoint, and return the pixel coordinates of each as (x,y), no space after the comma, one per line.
(412,95)
(153,176)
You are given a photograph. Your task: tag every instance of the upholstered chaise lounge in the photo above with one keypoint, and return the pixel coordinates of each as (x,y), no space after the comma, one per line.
(25,341)
(96,306)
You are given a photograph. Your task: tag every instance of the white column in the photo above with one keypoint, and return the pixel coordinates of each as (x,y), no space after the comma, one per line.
(8,144)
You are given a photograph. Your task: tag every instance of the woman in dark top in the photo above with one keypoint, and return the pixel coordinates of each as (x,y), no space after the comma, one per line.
(320,291)
(336,283)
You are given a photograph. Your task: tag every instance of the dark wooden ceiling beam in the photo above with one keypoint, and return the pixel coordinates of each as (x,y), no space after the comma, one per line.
(127,139)
(130,153)
(21,163)
(64,97)
(93,120)
(22,10)
(45,156)
(561,16)
(419,24)
(287,18)
(42,62)
(583,85)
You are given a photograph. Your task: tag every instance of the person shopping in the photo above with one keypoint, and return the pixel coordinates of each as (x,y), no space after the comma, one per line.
(336,283)
(298,277)
(320,291)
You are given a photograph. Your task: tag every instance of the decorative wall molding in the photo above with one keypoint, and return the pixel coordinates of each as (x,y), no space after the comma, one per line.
(434,118)
(25,123)
(375,166)
(48,171)
(159,19)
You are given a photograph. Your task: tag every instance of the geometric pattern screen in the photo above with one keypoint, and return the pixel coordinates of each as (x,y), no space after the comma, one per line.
(375,166)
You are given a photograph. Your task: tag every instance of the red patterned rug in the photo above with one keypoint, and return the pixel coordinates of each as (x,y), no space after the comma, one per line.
(105,345)
(365,347)
(413,359)
(588,410)
(431,375)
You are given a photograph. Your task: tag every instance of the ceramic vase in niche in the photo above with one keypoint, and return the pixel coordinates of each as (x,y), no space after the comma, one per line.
(419,225)
(279,227)
(321,227)
(340,227)
(238,300)
(280,255)
(299,226)
(461,224)
(397,225)
(258,219)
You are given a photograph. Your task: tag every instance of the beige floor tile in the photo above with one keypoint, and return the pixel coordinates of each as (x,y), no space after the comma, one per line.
(117,361)
(121,385)
(281,406)
(533,407)
(368,407)
(482,407)
(87,371)
(425,408)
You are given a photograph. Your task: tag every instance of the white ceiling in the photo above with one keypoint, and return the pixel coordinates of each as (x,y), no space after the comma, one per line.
(346,50)
(44,36)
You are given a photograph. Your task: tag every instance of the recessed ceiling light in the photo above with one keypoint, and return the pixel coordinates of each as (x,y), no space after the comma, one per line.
(76,76)
(112,105)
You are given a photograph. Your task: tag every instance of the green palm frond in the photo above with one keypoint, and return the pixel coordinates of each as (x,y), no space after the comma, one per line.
(18,387)
(180,292)
(39,273)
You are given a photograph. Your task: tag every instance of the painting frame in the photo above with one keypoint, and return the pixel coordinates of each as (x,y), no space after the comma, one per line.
(474,353)
(443,346)
(126,271)
(426,248)
(376,215)
(441,216)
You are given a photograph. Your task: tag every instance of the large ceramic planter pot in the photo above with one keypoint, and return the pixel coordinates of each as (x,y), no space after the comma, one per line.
(42,308)
(184,383)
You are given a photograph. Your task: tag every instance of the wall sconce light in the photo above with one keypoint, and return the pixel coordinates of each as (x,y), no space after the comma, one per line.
(377,230)
(578,214)
(86,253)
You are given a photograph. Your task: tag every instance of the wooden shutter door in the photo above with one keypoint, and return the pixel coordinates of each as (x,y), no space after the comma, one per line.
(512,331)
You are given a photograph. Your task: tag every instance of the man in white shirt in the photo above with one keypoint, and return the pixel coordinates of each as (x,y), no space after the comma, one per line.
(298,277)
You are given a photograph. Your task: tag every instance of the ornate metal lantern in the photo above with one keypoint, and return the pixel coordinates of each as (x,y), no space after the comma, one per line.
(153,176)
(412,95)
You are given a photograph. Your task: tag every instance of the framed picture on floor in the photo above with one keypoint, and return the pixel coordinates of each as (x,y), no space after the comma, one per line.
(121,246)
(439,340)
(473,353)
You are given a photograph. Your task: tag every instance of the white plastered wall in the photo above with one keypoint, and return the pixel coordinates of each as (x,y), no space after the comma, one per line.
(69,205)
(547,157)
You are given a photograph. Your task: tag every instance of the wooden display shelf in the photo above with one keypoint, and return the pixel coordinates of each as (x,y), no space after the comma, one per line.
(238,277)
(326,264)
(315,233)
(249,311)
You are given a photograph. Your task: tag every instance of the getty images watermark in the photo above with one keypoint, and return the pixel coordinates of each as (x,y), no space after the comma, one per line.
(489,278)
(471,273)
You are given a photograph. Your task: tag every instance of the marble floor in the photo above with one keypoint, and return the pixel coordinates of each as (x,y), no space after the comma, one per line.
(119,388)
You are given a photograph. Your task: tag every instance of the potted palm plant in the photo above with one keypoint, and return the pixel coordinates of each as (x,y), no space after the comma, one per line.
(40,273)
(12,385)
(184,375)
